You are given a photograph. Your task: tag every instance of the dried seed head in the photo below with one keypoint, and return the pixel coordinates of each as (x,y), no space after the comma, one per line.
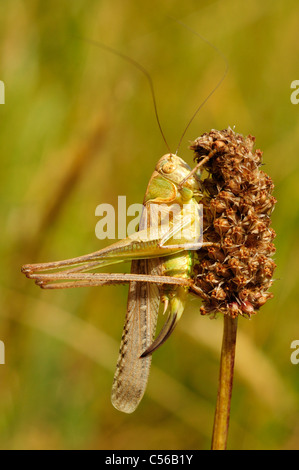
(235,277)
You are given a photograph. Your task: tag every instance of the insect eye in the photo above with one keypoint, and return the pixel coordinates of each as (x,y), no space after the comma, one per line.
(168,167)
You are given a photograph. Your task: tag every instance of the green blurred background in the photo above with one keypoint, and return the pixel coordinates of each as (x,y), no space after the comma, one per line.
(77,130)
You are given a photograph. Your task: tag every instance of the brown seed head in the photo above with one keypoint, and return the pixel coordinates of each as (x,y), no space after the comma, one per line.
(236,275)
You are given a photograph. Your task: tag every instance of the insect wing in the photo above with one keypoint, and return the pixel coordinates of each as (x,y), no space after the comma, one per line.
(132,371)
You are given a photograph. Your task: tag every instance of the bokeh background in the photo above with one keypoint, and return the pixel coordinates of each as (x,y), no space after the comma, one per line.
(77,130)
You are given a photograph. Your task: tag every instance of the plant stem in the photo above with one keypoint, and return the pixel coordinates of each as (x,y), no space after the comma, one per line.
(226,374)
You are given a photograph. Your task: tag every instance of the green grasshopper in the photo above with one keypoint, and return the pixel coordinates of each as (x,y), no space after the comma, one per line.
(161,269)
(160,272)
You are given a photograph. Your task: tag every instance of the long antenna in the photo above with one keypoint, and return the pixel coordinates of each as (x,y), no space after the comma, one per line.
(214,89)
(143,70)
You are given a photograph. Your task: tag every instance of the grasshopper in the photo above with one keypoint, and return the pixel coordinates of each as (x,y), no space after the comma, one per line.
(162,255)
(160,272)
